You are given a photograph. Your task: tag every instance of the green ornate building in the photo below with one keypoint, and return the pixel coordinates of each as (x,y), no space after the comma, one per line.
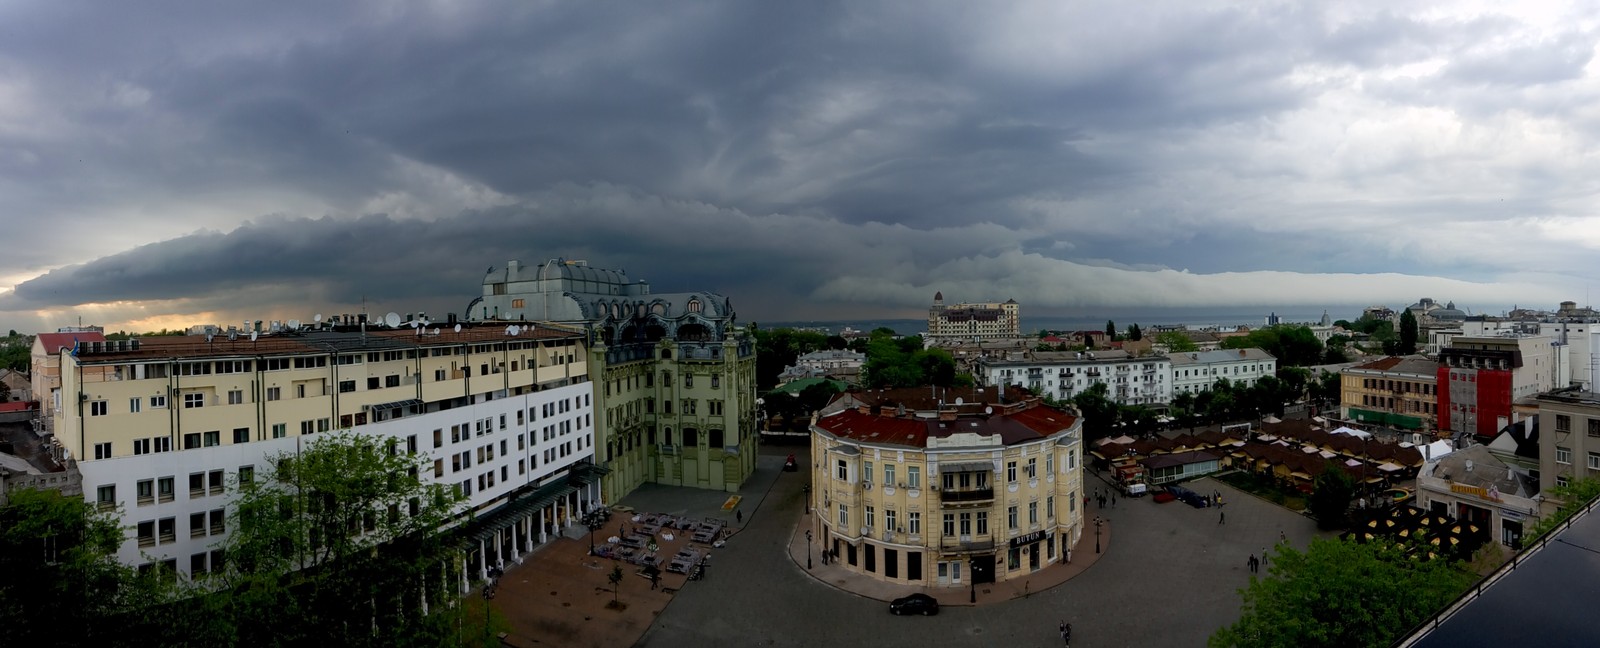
(675,377)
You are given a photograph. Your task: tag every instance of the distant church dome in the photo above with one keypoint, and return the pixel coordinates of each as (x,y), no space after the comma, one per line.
(938,296)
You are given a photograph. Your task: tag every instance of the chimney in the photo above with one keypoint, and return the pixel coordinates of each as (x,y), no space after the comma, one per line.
(1241,353)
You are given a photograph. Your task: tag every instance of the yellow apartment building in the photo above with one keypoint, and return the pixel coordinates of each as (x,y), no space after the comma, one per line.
(160,426)
(1399,392)
(959,494)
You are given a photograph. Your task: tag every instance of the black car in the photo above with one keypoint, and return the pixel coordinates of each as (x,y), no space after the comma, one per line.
(915,604)
(1188,496)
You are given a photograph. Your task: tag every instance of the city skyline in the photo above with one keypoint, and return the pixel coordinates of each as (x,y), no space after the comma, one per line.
(171,166)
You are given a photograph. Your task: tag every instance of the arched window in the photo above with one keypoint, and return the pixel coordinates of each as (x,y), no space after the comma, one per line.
(694,305)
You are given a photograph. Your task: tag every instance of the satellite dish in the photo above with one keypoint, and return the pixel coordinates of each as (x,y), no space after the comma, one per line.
(208,337)
(392,320)
(960,402)
(419,330)
(233,335)
(415,324)
(424,321)
(253,336)
(435,330)
(458,328)
(317,318)
(294,324)
(516,330)
(988,410)
(511,330)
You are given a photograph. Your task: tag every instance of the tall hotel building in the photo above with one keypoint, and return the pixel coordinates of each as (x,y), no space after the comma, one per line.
(161,426)
(675,377)
(974,321)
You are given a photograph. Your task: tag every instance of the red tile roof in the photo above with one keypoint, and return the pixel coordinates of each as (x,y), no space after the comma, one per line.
(54,342)
(1382,364)
(1027,425)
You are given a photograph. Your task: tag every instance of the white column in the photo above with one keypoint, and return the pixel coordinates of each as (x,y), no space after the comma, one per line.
(483,560)
(544,524)
(465,586)
(516,540)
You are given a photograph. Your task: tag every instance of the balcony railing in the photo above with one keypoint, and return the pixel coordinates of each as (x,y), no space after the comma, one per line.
(968,495)
(955,544)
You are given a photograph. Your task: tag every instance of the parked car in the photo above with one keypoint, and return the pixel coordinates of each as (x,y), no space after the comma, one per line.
(915,604)
(1188,496)
(1136,489)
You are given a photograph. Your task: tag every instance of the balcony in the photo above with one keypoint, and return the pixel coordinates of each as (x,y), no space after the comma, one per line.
(967,496)
(956,545)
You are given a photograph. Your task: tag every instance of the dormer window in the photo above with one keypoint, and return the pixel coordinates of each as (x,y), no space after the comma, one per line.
(694,305)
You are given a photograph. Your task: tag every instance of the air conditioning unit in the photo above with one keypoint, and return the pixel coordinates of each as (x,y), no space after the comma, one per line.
(866,485)
(934,488)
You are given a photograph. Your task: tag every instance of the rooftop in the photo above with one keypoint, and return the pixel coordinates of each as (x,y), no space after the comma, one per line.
(315,342)
(1032,424)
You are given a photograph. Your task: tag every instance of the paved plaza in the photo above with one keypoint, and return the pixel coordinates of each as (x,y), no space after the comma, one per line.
(1169,575)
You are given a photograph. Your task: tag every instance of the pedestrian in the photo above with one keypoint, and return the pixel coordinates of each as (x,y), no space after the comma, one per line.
(1251,563)
(1113,500)
(1282,537)
(1066,635)
(1069,555)
(739,515)
(1222,517)
(1063,630)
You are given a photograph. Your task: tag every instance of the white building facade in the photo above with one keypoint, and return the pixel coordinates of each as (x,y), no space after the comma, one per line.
(1129,380)
(1197,371)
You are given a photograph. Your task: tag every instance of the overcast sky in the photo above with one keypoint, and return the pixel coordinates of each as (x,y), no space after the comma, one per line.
(176,163)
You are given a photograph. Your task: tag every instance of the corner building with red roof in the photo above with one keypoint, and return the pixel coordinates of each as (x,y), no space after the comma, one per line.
(926,488)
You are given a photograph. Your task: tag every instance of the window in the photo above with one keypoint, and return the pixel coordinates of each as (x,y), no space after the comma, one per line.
(147,533)
(197,564)
(97,408)
(167,530)
(913,477)
(1011,472)
(158,402)
(914,522)
(1594,461)
(102,450)
(145,492)
(949,524)
(308,427)
(888,475)
(194,400)
(166,488)
(133,404)
(197,525)
(1050,464)
(236,397)
(347,386)
(1594,427)
(889,519)
(1033,513)
(218,521)
(516,303)
(1011,517)
(983,523)
(247,475)
(280,430)
(1033,466)
(1050,507)
(197,485)
(842,471)
(241,435)
(106,496)
(844,516)
(213,438)
(871,517)
(866,471)
(1561,480)
(214,480)
(1563,455)
(1563,423)
(966,524)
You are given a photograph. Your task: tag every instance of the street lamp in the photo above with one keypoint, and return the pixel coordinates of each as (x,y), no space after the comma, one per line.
(808,548)
(1097,534)
(594,524)
(807,488)
(972,573)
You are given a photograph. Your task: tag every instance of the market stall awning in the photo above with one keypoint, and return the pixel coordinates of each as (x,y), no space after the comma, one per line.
(1389,467)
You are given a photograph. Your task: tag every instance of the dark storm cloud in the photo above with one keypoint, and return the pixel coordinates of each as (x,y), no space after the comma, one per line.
(786,153)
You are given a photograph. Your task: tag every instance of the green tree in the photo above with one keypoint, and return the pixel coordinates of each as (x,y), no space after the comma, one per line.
(1295,381)
(1099,411)
(339,542)
(1408,333)
(1330,500)
(1176,342)
(1574,497)
(616,584)
(1134,333)
(1341,593)
(62,583)
(1111,330)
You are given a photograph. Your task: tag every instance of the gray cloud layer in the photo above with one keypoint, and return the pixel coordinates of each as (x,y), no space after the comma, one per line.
(828,158)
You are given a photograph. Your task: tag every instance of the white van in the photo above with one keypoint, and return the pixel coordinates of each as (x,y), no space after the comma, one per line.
(1136,489)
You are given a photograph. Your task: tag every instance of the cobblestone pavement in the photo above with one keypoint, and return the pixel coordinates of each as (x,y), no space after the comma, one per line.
(1171,578)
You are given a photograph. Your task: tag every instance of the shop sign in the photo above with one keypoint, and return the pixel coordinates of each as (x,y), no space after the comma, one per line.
(1027,539)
